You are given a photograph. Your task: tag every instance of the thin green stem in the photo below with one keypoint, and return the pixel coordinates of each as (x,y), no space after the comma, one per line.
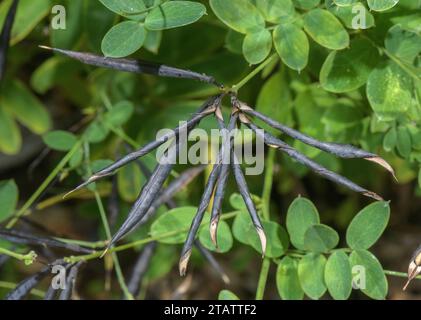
(261,285)
(87,244)
(119,273)
(44,185)
(252,74)
(399,274)
(28,258)
(10,285)
(267,189)
(267,185)
(138,243)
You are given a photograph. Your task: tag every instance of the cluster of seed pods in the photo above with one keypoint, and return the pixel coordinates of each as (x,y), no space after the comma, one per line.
(153,195)
(217,180)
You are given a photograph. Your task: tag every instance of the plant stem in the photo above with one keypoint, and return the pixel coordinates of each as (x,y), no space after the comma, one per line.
(119,273)
(18,256)
(267,189)
(74,259)
(44,185)
(10,285)
(267,186)
(399,274)
(252,74)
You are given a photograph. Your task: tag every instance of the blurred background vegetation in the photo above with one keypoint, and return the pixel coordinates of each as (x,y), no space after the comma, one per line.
(43,92)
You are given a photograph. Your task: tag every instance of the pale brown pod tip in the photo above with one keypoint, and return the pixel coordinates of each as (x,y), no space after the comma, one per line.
(263,241)
(184,261)
(213,228)
(384,164)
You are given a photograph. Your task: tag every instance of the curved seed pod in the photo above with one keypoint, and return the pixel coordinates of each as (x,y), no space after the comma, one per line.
(140,268)
(414,268)
(134,66)
(210,258)
(223,176)
(66,294)
(340,150)
(151,189)
(20,237)
(204,202)
(206,109)
(25,286)
(314,166)
(5,36)
(51,293)
(182,180)
(168,193)
(245,193)
(149,193)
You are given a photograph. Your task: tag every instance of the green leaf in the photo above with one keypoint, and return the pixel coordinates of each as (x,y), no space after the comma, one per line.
(129,182)
(338,276)
(174,220)
(349,69)
(28,16)
(126,8)
(119,114)
(174,14)
(381,5)
(311,270)
(277,238)
(227,295)
(368,225)
(123,39)
(96,132)
(60,140)
(404,142)
(292,45)
(320,238)
(276,11)
(300,216)
(10,138)
(234,41)
(306,4)
(224,238)
(241,228)
(26,108)
(237,202)
(389,91)
(326,29)
(390,139)
(257,46)
(355,16)
(9,194)
(162,262)
(240,15)
(287,281)
(404,44)
(375,280)
(344,2)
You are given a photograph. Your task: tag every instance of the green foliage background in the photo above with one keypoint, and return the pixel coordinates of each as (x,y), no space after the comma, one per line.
(319,75)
